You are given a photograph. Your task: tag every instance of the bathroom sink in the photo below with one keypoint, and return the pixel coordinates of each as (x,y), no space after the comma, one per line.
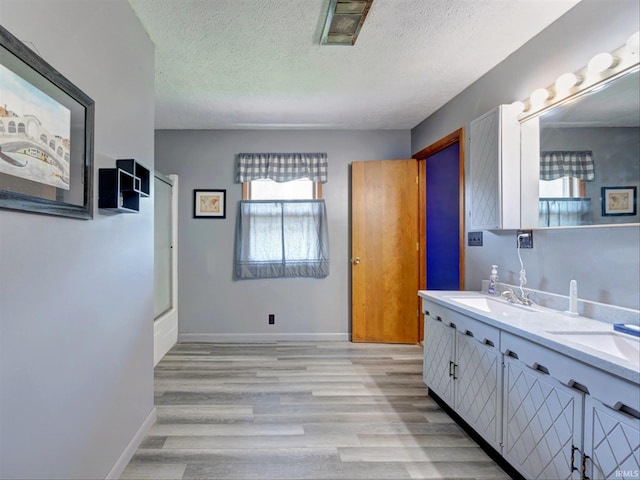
(611,343)
(492,305)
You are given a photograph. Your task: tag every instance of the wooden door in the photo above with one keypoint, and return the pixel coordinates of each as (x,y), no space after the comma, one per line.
(384,251)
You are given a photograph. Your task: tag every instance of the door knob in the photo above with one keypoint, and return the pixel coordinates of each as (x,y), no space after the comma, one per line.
(355,261)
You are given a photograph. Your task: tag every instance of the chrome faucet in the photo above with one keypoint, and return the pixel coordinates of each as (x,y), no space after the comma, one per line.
(513,297)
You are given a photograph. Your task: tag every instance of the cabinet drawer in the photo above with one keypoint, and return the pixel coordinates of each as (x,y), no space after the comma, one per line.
(482,332)
(613,391)
(435,311)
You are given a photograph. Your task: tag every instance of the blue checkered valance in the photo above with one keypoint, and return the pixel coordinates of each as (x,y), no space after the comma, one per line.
(282,167)
(558,164)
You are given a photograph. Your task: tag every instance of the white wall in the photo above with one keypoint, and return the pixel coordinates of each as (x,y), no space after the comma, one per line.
(604,261)
(215,307)
(76,297)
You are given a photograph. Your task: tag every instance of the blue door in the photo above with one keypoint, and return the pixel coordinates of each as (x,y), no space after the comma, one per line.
(443,219)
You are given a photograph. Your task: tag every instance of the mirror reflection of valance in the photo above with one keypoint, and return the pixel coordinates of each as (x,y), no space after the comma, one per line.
(282,167)
(558,164)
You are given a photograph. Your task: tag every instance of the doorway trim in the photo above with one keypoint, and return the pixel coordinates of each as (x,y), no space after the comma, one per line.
(454,137)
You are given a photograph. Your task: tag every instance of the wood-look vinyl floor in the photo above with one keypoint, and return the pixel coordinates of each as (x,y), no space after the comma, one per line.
(301,410)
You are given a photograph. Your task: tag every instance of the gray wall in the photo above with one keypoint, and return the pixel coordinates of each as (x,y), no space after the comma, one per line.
(604,260)
(215,307)
(76,297)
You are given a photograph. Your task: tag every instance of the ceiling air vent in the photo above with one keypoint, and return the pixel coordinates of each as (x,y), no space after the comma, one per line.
(344,21)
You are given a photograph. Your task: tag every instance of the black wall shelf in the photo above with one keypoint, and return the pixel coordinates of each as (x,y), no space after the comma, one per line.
(138,171)
(120,188)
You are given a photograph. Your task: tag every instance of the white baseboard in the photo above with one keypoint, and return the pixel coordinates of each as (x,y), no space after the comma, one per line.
(131,448)
(262,337)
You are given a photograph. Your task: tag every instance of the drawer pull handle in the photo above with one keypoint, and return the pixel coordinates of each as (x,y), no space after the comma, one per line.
(574,449)
(438,318)
(468,333)
(486,341)
(426,312)
(578,386)
(452,325)
(621,407)
(541,368)
(585,457)
(512,354)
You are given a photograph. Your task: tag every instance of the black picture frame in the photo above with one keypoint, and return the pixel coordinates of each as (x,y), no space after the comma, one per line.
(209,203)
(619,201)
(41,170)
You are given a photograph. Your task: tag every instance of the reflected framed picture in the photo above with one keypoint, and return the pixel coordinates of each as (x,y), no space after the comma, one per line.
(619,201)
(46,136)
(209,204)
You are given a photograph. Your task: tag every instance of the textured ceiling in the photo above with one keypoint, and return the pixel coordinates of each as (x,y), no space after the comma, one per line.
(232,64)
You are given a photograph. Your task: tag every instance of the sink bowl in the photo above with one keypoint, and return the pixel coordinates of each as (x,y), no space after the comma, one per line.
(492,305)
(611,343)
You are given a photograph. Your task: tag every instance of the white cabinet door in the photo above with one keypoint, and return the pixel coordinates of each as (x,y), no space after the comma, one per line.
(611,441)
(494,174)
(478,397)
(438,358)
(542,422)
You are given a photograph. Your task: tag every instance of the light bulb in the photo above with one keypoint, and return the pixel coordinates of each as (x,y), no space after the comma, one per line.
(518,107)
(633,44)
(601,62)
(566,81)
(539,96)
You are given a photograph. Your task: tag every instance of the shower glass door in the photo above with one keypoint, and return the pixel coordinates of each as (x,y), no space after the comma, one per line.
(163,299)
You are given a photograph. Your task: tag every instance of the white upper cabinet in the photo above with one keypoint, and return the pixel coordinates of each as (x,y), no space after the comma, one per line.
(494,180)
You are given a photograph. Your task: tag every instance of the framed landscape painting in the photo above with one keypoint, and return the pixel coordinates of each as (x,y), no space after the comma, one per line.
(46,136)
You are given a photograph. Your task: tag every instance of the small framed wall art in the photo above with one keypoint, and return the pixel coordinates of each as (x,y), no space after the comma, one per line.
(209,204)
(619,201)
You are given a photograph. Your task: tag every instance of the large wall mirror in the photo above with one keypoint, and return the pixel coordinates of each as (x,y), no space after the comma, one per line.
(581,158)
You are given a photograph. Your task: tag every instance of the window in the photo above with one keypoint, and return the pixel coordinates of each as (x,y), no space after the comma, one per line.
(266,189)
(565,187)
(282,225)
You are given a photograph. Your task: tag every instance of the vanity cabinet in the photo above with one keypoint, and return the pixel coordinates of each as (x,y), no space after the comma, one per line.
(542,423)
(494,170)
(439,365)
(548,414)
(611,442)
(564,419)
(462,365)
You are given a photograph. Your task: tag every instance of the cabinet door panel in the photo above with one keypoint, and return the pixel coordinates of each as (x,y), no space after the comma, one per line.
(542,420)
(479,387)
(612,440)
(438,353)
(494,165)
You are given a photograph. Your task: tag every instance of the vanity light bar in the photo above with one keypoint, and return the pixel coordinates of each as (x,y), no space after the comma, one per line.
(600,68)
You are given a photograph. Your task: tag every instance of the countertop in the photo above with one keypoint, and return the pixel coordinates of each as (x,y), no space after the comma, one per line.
(536,323)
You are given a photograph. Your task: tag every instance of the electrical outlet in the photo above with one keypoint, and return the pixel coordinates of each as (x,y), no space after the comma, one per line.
(474,239)
(272,319)
(524,242)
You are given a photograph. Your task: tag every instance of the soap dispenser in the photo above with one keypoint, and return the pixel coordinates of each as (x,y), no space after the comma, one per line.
(493,279)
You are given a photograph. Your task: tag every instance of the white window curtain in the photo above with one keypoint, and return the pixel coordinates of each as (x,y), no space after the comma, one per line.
(282,167)
(282,239)
(564,212)
(560,164)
